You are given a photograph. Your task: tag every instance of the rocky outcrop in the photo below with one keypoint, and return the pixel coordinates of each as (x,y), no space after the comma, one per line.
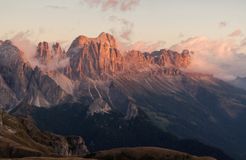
(94,57)
(162,58)
(132,111)
(170,58)
(46,54)
(14,69)
(76,146)
(43,52)
(44,91)
(22,83)
(8,98)
(98,106)
(136,61)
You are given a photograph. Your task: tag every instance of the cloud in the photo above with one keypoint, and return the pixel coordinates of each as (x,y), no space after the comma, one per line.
(243,43)
(104,5)
(23,42)
(56,7)
(223,24)
(56,63)
(109,4)
(123,29)
(236,33)
(219,57)
(146,46)
(129,4)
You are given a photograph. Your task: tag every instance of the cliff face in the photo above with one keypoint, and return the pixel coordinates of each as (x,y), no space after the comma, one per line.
(21,82)
(170,58)
(93,57)
(14,69)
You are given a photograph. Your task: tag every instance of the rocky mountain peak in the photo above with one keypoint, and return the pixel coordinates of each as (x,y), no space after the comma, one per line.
(80,41)
(45,53)
(57,49)
(93,57)
(103,38)
(169,58)
(107,38)
(10,55)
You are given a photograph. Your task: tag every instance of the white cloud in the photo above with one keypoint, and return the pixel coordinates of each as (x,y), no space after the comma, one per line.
(123,29)
(22,41)
(219,57)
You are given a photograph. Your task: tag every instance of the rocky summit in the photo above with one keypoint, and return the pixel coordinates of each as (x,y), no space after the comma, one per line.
(97,57)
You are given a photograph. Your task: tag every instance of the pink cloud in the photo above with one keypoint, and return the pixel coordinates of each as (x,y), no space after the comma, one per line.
(146,46)
(23,42)
(92,3)
(243,42)
(129,4)
(122,5)
(123,29)
(236,33)
(219,57)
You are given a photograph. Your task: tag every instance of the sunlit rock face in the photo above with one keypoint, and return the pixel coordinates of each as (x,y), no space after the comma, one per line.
(160,62)
(170,58)
(94,57)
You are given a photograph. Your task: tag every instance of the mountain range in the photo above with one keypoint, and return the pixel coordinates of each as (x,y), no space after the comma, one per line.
(123,99)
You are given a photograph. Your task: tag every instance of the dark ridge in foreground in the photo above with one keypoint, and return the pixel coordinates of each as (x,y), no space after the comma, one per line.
(19,137)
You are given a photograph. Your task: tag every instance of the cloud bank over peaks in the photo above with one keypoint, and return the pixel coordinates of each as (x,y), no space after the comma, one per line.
(220,57)
(23,42)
